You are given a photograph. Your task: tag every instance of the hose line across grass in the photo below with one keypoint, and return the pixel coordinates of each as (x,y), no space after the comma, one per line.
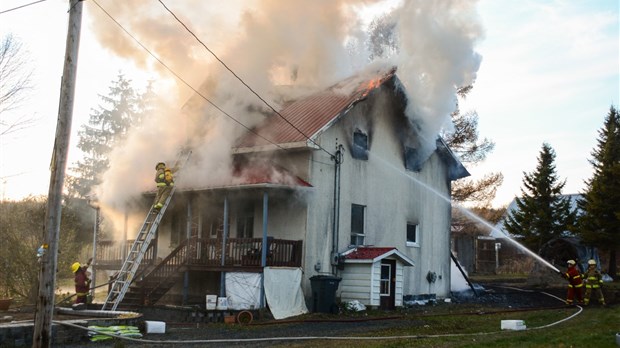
(329,338)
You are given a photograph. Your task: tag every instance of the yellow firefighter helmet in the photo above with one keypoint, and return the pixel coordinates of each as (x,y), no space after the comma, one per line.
(75,266)
(592,262)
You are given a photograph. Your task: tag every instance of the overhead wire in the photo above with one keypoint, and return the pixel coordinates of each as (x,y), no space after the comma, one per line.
(241,80)
(22,6)
(181,78)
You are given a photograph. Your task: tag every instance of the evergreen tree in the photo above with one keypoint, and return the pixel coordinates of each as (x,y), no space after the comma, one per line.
(600,222)
(108,125)
(542,212)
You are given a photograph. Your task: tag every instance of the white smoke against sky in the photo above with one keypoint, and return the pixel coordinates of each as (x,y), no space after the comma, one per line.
(437,56)
(270,43)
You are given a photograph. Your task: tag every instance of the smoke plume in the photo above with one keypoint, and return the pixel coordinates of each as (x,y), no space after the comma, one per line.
(306,45)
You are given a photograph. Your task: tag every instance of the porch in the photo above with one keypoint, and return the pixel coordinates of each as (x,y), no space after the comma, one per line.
(209,254)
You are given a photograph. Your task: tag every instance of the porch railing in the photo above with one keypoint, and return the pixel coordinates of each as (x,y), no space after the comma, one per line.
(111,252)
(238,252)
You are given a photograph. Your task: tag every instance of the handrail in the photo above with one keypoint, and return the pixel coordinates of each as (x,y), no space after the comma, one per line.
(239,252)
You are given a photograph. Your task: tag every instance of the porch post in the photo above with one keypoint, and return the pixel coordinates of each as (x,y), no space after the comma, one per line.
(188,232)
(224,238)
(124,241)
(263,261)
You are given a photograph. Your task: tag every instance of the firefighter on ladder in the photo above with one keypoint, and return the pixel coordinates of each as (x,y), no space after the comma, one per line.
(594,282)
(165,181)
(575,283)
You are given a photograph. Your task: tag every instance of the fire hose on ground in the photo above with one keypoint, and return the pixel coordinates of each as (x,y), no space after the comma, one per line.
(329,338)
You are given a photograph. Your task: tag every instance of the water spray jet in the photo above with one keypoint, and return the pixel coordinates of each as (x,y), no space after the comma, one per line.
(473,216)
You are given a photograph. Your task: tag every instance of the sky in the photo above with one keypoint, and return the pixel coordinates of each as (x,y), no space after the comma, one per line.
(549,72)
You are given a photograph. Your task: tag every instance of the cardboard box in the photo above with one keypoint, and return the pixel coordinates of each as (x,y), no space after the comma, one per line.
(211,302)
(222,303)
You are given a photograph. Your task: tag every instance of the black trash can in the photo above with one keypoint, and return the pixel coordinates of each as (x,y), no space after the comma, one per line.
(324,293)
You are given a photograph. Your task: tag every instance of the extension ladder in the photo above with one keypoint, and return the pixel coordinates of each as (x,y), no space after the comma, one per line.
(131,264)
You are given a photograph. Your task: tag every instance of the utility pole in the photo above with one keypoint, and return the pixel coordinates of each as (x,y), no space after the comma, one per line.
(42,336)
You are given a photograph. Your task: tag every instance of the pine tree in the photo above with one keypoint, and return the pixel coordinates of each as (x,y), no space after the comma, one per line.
(542,212)
(108,125)
(600,222)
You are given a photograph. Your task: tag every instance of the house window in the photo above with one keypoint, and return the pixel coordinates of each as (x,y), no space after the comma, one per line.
(413,162)
(215,228)
(360,145)
(245,227)
(357,224)
(177,230)
(386,271)
(412,234)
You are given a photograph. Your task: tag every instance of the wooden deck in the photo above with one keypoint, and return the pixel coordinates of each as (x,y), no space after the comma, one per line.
(208,254)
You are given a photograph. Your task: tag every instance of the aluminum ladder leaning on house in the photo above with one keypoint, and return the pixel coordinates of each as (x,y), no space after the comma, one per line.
(141,244)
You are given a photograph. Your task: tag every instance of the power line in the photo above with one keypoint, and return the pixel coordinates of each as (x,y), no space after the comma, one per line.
(22,6)
(180,78)
(241,80)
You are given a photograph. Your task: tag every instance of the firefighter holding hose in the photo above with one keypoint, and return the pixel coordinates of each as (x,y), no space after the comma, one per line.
(575,283)
(82,281)
(594,282)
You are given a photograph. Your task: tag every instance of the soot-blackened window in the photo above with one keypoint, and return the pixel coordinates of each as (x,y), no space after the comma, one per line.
(412,234)
(360,145)
(413,162)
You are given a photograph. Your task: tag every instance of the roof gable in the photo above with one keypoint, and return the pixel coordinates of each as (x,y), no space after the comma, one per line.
(307,117)
(373,254)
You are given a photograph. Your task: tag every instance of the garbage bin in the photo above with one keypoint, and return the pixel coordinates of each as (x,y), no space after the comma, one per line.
(324,293)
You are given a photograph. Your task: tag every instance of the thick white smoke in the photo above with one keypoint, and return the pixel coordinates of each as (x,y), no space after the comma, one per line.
(303,44)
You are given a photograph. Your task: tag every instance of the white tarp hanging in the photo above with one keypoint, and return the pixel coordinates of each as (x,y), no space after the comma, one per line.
(283,292)
(243,290)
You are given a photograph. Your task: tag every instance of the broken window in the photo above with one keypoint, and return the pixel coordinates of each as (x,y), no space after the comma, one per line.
(413,162)
(360,145)
(412,234)
(357,224)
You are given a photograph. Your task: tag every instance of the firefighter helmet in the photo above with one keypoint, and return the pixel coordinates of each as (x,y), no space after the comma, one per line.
(592,262)
(571,262)
(160,164)
(75,266)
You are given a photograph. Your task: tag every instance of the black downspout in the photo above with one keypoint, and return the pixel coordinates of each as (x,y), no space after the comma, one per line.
(337,158)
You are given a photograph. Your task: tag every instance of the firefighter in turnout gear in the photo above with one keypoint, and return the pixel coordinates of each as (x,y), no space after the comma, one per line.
(82,281)
(594,282)
(164,179)
(575,283)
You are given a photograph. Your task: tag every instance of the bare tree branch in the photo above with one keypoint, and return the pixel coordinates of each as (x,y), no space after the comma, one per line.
(14,85)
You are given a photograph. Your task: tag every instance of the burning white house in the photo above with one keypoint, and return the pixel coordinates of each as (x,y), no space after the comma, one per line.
(345,175)
(349,191)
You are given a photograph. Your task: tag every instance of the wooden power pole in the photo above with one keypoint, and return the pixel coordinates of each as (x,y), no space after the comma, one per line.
(42,336)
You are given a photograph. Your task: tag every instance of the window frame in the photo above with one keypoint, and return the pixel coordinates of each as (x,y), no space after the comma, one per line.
(360,150)
(416,241)
(358,235)
(385,284)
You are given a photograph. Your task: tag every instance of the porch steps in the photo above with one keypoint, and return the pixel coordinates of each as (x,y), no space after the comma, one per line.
(130,266)
(154,285)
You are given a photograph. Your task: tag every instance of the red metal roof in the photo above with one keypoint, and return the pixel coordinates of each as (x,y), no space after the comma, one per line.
(368,253)
(309,115)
